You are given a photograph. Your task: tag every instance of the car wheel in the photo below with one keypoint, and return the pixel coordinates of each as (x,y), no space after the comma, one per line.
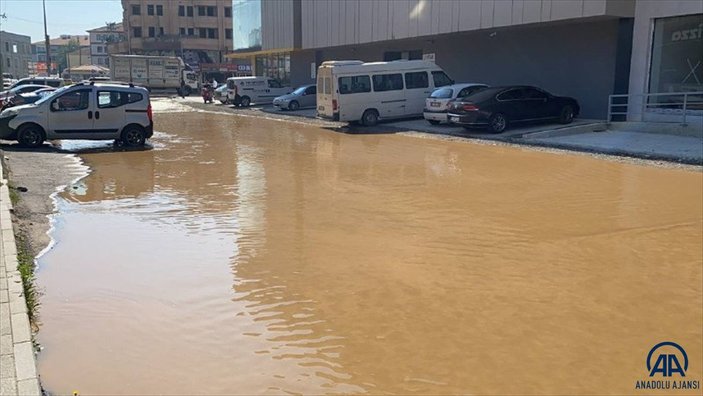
(370,118)
(30,136)
(497,123)
(567,115)
(433,122)
(246,101)
(133,136)
(294,105)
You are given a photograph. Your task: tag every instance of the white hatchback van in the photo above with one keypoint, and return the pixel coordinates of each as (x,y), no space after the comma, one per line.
(93,111)
(243,91)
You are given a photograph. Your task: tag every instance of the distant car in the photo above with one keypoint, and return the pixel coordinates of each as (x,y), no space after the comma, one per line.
(301,97)
(221,93)
(6,96)
(49,81)
(436,105)
(30,97)
(498,107)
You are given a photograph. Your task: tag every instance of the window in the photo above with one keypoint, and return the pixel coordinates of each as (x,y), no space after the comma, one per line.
(677,58)
(513,94)
(211,11)
(134,97)
(137,32)
(311,90)
(71,101)
(274,84)
(160,10)
(202,10)
(191,31)
(7,46)
(416,80)
(99,49)
(161,31)
(469,91)
(228,33)
(202,32)
(136,9)
(440,79)
(189,10)
(442,93)
(110,99)
(182,31)
(531,93)
(181,10)
(150,9)
(328,85)
(228,12)
(212,33)
(355,84)
(387,82)
(152,31)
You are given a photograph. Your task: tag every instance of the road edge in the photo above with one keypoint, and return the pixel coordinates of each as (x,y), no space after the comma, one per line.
(17,346)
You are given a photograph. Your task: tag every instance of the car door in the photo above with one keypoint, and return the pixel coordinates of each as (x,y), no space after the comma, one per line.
(309,99)
(511,104)
(109,115)
(536,104)
(71,115)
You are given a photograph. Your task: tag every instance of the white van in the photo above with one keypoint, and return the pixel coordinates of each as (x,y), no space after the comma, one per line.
(243,91)
(92,111)
(367,92)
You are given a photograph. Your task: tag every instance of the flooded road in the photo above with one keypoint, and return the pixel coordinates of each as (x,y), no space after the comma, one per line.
(247,256)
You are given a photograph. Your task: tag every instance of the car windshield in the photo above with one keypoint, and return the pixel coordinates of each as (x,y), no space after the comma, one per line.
(442,93)
(51,95)
(300,91)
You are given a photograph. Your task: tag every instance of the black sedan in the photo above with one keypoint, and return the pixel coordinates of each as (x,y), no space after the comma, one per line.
(497,107)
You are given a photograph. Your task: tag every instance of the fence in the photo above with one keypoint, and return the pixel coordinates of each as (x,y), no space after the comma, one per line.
(660,107)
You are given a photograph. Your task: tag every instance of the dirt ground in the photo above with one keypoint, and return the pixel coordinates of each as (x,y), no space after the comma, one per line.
(41,172)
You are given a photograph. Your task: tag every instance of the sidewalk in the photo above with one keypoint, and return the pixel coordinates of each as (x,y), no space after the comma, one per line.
(18,372)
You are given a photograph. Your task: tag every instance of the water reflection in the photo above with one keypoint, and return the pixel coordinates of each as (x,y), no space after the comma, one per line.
(252,256)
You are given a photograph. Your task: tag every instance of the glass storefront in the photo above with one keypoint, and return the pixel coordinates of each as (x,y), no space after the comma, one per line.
(274,65)
(677,55)
(246,15)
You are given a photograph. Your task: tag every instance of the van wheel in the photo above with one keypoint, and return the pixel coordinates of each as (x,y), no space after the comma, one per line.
(133,136)
(370,118)
(246,101)
(433,122)
(497,123)
(294,105)
(30,136)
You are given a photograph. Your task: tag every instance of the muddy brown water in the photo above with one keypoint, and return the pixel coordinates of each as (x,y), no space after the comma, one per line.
(248,256)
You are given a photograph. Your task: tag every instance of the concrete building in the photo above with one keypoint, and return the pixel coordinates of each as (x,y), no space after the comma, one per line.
(579,48)
(60,49)
(15,54)
(100,38)
(200,31)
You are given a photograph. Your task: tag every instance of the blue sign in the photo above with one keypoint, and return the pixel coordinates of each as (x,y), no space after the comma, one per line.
(667,364)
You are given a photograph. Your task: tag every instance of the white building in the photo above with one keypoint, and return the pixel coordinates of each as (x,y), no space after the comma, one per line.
(100,38)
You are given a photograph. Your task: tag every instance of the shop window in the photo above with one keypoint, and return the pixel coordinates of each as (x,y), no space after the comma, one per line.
(354,84)
(677,55)
(416,80)
(387,82)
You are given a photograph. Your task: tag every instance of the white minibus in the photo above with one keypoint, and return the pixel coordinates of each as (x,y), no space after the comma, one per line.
(367,92)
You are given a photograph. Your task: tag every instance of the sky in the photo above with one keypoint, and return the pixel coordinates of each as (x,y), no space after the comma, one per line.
(62,16)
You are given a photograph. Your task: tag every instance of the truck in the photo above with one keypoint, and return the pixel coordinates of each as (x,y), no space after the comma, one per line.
(154,72)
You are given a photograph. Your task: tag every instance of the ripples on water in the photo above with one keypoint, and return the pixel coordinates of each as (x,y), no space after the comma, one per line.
(249,256)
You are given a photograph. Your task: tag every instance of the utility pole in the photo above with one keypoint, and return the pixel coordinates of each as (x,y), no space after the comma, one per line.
(2,59)
(46,43)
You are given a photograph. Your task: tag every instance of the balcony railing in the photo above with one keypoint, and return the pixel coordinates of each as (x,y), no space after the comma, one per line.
(673,107)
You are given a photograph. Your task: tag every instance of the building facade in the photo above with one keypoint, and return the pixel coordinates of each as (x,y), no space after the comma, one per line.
(100,38)
(200,31)
(15,54)
(60,49)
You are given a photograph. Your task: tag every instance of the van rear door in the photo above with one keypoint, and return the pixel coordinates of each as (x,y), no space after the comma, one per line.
(326,96)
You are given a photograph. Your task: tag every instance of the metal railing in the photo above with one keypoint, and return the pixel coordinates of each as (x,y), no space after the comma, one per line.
(673,107)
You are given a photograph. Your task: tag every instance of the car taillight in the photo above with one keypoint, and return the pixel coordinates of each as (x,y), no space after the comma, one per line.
(334,104)
(149,113)
(469,107)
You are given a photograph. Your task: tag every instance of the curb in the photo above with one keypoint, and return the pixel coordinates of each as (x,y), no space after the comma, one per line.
(18,375)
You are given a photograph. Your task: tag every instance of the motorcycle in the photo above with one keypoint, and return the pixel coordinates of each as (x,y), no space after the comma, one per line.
(206,93)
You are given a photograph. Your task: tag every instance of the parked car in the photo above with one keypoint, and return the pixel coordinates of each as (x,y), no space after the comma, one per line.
(49,81)
(92,111)
(301,97)
(5,96)
(243,91)
(436,105)
(30,97)
(498,107)
(221,93)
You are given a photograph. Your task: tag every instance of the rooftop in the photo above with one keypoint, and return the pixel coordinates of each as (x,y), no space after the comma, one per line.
(110,27)
(64,39)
